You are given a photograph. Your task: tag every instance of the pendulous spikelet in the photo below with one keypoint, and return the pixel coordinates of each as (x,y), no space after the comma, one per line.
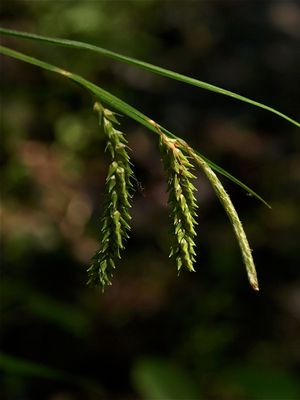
(181,201)
(230,210)
(116,217)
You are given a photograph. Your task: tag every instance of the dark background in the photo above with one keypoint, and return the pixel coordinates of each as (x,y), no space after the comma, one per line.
(151,335)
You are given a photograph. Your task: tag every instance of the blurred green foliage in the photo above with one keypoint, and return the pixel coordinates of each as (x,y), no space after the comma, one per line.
(157,379)
(152,335)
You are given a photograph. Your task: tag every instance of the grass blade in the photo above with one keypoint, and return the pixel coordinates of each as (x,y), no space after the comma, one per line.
(18,366)
(146,66)
(120,106)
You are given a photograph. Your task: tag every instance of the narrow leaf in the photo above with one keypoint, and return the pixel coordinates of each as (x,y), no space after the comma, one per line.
(18,366)
(121,106)
(146,66)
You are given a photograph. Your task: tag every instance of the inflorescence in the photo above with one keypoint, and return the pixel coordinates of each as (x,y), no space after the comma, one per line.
(177,157)
(116,217)
(182,202)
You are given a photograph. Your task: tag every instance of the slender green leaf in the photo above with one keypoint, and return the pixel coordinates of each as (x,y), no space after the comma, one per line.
(120,106)
(18,366)
(146,66)
(73,320)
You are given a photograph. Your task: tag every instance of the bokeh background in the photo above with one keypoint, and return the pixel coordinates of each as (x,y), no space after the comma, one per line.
(151,335)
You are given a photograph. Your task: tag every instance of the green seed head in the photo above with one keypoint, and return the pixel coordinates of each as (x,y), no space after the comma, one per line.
(115,227)
(181,201)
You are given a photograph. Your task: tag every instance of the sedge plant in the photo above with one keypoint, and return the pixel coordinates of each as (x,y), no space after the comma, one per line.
(178,157)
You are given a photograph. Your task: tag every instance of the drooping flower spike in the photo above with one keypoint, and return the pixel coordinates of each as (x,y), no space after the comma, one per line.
(118,188)
(182,202)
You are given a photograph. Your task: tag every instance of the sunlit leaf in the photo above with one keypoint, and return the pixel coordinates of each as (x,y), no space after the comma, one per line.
(146,66)
(120,106)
